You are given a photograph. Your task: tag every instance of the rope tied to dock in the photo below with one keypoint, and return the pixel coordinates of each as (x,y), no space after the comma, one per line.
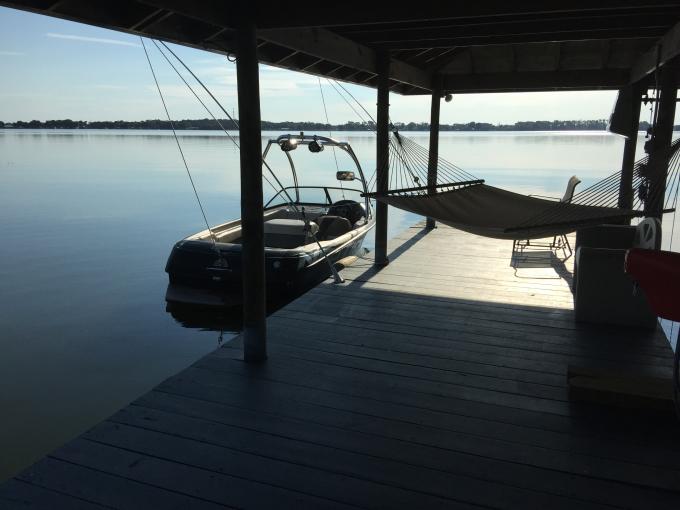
(179,145)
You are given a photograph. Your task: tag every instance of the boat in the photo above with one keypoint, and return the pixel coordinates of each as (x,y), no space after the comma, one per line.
(308,231)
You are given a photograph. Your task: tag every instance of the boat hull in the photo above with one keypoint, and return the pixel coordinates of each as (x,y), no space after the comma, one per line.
(198,276)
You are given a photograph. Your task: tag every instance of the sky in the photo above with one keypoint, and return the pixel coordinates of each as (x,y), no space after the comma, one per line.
(56,69)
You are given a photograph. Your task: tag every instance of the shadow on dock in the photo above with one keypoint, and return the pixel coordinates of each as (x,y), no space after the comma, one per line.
(541,259)
(439,381)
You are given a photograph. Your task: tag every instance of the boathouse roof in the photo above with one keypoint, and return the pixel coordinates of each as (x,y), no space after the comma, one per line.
(482,46)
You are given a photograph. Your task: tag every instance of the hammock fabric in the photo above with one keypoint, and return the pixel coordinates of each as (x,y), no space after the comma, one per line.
(493,212)
(465,202)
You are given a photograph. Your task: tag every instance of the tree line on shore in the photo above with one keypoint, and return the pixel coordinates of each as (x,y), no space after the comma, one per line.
(210,124)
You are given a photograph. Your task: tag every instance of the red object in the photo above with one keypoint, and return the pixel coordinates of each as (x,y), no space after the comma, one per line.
(658,274)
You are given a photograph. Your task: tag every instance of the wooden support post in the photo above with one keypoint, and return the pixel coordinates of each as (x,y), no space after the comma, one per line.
(661,141)
(434,141)
(252,220)
(626,184)
(382,157)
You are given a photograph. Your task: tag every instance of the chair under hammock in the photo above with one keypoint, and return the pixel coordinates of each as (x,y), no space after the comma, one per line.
(560,242)
(463,201)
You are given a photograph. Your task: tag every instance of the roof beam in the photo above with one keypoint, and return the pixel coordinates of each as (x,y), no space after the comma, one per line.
(669,46)
(207,25)
(536,81)
(519,38)
(375,13)
(327,45)
(156,16)
(558,25)
(317,42)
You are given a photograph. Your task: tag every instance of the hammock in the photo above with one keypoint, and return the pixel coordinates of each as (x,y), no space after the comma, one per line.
(467,203)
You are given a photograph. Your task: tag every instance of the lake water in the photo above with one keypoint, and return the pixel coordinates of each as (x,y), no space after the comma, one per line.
(88,219)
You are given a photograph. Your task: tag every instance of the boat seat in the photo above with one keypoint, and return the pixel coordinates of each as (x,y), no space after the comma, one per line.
(331,227)
(288,233)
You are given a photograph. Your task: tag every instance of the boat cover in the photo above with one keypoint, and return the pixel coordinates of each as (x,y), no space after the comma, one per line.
(658,273)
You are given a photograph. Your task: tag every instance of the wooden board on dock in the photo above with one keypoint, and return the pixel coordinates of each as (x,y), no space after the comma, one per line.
(439,381)
(621,388)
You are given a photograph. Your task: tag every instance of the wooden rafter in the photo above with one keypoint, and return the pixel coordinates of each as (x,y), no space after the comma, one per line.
(667,48)
(329,46)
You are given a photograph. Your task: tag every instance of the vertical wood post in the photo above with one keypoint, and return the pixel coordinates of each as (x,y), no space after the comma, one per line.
(252,220)
(661,141)
(434,141)
(626,184)
(382,157)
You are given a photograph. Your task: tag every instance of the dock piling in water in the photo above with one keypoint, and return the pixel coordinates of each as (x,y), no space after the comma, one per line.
(382,159)
(252,216)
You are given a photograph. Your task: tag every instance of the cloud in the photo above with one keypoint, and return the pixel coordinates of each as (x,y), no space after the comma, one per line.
(99,40)
(221,80)
(216,60)
(182,92)
(104,86)
(4,53)
(271,83)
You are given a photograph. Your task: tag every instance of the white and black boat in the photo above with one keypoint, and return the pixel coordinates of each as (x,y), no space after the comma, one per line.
(304,236)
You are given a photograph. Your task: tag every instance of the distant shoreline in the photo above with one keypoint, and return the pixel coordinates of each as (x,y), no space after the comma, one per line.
(324,132)
(210,125)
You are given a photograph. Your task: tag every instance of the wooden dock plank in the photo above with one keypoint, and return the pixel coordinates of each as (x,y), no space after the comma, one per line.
(403,422)
(193,482)
(423,471)
(174,438)
(525,341)
(103,488)
(18,493)
(547,460)
(454,342)
(439,381)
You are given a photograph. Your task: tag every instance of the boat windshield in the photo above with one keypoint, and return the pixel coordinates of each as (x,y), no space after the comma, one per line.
(316,195)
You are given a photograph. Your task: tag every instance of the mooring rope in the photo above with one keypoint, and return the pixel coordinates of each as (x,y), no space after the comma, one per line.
(330,134)
(360,116)
(219,105)
(231,137)
(179,145)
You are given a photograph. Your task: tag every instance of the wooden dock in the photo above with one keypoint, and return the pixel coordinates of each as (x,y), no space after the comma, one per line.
(437,382)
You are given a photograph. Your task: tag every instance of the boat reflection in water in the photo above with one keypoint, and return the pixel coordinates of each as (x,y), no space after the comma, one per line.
(228,318)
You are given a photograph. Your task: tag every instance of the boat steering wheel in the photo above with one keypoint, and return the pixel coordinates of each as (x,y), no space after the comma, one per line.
(349,209)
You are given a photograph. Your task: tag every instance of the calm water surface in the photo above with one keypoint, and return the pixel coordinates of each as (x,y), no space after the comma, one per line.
(88,219)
